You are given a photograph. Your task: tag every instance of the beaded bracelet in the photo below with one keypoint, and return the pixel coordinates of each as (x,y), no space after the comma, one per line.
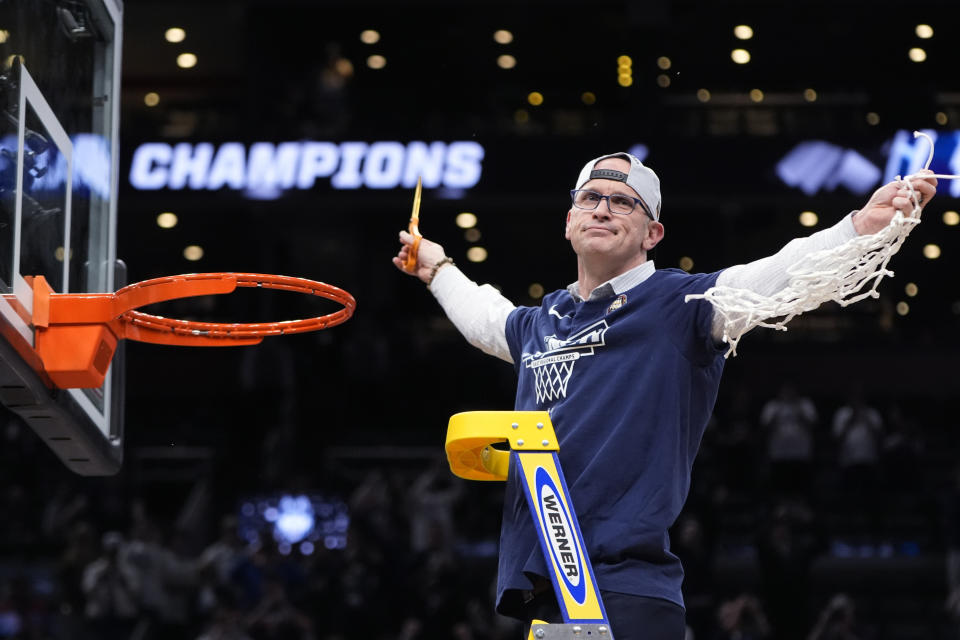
(436,267)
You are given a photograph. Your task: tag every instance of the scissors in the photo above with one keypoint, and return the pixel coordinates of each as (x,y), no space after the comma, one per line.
(410,264)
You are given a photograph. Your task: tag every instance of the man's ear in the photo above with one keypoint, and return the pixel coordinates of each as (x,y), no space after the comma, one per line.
(566,231)
(654,235)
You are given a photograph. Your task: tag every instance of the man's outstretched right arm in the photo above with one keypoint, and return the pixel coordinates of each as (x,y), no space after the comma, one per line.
(478,312)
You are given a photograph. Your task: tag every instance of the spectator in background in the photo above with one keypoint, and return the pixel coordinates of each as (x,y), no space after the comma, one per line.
(858,431)
(787,548)
(903,448)
(276,617)
(838,621)
(64,507)
(227,622)
(217,562)
(373,508)
(431,499)
(81,550)
(167,581)
(112,589)
(742,618)
(789,420)
(462,631)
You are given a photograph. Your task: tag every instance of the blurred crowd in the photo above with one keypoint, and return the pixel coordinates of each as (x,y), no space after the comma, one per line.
(809,518)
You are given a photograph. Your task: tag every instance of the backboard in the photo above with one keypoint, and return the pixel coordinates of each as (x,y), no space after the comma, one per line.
(59,117)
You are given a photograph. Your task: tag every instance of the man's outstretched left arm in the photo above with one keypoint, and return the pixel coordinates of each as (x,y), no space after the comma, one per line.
(769,275)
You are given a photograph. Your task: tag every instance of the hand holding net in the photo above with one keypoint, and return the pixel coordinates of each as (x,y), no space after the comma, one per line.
(844,274)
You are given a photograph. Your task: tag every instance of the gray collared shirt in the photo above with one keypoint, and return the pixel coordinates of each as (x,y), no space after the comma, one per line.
(616,285)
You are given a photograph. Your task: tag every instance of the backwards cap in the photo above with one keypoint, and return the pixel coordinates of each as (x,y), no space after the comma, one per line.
(641,179)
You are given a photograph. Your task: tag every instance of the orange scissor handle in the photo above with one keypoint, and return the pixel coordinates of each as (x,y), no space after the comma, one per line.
(410,264)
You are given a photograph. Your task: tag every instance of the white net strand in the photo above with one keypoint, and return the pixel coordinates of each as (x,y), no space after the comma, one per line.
(839,274)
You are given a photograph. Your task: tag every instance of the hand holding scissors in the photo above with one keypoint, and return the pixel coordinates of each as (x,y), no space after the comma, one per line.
(418,256)
(410,264)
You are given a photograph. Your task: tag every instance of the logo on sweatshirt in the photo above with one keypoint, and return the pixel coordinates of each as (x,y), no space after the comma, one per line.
(616,304)
(553,367)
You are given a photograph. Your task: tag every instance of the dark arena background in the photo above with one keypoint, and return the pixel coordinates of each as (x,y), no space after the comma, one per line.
(298,489)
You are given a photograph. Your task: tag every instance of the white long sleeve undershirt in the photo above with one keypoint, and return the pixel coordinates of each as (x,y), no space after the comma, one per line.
(480,312)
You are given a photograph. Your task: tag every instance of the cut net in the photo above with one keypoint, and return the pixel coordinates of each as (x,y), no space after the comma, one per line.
(550,379)
(844,274)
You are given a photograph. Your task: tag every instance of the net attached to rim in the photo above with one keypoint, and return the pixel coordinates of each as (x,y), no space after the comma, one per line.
(844,274)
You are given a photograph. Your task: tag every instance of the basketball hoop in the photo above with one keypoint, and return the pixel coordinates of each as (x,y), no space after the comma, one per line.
(77,333)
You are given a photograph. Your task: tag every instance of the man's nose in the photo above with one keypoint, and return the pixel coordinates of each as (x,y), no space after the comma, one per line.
(603,209)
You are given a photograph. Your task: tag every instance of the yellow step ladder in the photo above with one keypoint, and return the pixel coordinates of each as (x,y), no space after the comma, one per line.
(533,448)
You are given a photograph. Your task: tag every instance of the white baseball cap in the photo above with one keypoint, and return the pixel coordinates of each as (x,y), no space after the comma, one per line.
(641,179)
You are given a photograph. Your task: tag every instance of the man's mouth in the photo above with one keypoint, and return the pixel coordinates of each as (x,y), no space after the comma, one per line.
(599,228)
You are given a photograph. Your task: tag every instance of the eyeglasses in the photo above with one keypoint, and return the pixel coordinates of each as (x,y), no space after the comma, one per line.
(616,203)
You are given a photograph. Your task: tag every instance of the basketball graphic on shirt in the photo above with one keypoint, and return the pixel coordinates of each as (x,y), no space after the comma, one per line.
(553,368)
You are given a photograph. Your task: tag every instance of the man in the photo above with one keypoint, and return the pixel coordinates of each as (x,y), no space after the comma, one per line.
(629,373)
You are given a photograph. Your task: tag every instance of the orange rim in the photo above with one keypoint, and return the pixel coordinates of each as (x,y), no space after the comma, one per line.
(77,333)
(237,330)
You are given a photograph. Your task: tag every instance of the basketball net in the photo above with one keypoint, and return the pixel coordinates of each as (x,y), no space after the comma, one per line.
(844,274)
